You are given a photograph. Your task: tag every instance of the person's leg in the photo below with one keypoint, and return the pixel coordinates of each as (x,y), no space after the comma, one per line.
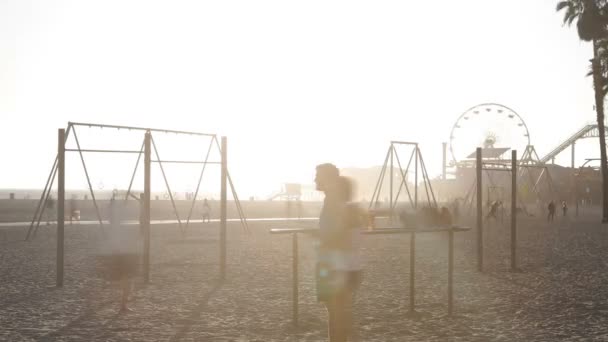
(347,320)
(126,289)
(331,320)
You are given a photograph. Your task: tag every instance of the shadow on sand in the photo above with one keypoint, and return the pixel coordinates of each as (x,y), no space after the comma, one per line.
(196,313)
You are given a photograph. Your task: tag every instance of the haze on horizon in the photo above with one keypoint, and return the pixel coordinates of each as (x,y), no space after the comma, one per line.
(291,84)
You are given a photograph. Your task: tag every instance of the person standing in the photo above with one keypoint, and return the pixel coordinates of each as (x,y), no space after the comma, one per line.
(564,208)
(206,211)
(50,206)
(551,208)
(338,265)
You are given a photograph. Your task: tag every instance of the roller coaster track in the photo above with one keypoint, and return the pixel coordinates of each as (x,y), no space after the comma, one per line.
(587,131)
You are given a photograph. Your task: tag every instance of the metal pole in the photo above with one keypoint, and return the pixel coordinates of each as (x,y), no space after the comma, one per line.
(86,173)
(237,202)
(224,174)
(391,186)
(146,205)
(198,185)
(416,178)
(514,210)
(403,184)
(573,156)
(576,194)
(295,279)
(60,204)
(479,211)
(450,271)
(47,188)
(412,272)
(45,199)
(444,161)
(378,187)
(42,201)
(162,170)
(141,150)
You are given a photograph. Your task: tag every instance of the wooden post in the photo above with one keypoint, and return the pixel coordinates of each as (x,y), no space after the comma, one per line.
(60,204)
(450,271)
(146,206)
(224,174)
(514,210)
(413,239)
(412,272)
(391,187)
(416,178)
(295,279)
(479,211)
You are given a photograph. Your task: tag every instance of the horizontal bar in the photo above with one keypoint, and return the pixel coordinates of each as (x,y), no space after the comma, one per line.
(102,151)
(404,142)
(184,162)
(139,128)
(412,230)
(376,231)
(292,230)
(542,166)
(494,169)
(506,162)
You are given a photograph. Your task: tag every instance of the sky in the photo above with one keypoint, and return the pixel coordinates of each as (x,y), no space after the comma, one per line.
(291,84)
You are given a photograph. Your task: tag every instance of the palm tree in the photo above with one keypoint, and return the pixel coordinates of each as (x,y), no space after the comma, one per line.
(591,22)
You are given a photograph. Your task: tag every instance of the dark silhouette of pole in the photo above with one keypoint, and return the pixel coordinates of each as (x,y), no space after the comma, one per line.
(391,185)
(224,175)
(413,239)
(146,205)
(450,271)
(60,204)
(295,279)
(479,211)
(514,210)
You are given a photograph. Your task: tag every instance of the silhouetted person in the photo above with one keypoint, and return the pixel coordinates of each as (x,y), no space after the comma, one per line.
(119,253)
(445,218)
(338,265)
(551,208)
(73,209)
(50,206)
(493,210)
(564,208)
(206,211)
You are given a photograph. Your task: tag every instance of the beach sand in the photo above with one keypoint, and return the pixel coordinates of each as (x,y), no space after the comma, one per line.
(560,293)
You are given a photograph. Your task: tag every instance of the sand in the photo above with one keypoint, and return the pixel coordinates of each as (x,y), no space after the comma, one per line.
(560,293)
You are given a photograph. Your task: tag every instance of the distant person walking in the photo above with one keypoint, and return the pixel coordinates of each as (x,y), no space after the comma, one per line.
(338,264)
(493,210)
(206,211)
(564,208)
(74,213)
(551,208)
(50,205)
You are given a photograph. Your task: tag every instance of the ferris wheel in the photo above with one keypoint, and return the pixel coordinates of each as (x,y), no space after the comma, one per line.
(487,125)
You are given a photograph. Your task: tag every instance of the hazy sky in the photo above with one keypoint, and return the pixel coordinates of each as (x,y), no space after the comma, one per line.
(291,83)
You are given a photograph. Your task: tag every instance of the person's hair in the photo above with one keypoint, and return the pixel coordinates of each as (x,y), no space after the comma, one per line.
(328,169)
